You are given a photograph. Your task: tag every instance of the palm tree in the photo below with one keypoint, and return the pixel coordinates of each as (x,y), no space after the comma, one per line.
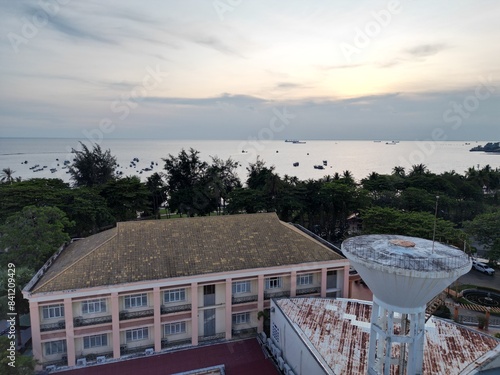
(418,170)
(398,171)
(6,175)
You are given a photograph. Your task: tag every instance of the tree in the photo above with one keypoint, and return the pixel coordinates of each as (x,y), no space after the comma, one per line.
(157,196)
(14,278)
(185,174)
(125,197)
(31,236)
(221,180)
(6,175)
(23,364)
(484,228)
(92,167)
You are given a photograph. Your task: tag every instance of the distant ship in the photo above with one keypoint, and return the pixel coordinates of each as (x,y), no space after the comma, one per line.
(294,141)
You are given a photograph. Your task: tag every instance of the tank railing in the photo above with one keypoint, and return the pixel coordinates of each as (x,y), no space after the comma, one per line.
(407,261)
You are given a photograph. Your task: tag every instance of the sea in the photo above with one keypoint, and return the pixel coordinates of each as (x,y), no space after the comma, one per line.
(49,157)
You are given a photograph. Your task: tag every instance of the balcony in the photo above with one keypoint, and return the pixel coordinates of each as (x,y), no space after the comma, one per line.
(137,350)
(281,294)
(176,308)
(126,315)
(244,333)
(304,291)
(80,322)
(245,299)
(52,326)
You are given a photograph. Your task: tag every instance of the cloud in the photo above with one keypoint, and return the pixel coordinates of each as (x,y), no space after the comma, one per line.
(239,100)
(215,43)
(425,50)
(341,66)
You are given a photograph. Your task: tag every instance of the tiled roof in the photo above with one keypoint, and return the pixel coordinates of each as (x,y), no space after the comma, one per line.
(339,331)
(158,249)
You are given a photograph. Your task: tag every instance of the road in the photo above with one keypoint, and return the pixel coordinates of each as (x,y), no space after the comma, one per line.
(480,279)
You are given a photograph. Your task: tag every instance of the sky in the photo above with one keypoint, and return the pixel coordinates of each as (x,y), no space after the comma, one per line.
(241,69)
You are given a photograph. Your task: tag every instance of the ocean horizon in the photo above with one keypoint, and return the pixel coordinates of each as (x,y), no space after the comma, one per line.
(46,157)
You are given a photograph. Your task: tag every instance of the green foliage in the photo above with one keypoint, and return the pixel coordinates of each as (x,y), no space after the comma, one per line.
(443,312)
(485,229)
(31,236)
(415,224)
(92,167)
(24,365)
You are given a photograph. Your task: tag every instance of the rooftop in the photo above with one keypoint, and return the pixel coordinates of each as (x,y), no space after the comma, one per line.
(159,249)
(338,331)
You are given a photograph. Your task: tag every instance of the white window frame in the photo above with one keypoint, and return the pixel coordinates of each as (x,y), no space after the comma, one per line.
(136,300)
(241,287)
(174,328)
(275,282)
(53,311)
(95,341)
(305,279)
(241,318)
(174,295)
(55,347)
(137,334)
(94,306)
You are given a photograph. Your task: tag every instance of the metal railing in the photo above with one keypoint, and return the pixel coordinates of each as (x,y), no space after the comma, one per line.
(141,350)
(167,344)
(171,309)
(269,295)
(125,315)
(245,299)
(245,332)
(313,290)
(52,326)
(216,337)
(80,322)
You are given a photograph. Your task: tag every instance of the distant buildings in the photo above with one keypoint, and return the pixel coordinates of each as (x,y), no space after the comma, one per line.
(148,286)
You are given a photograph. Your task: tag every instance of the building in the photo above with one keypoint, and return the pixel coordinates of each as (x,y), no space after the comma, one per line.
(148,286)
(325,336)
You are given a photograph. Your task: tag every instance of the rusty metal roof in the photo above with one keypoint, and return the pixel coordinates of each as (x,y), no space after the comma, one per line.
(339,330)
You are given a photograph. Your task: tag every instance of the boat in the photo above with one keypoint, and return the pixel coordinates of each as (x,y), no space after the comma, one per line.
(325,163)
(294,141)
(296,164)
(319,167)
(298,142)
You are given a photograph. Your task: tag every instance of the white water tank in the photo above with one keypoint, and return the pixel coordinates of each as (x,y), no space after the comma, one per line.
(404,273)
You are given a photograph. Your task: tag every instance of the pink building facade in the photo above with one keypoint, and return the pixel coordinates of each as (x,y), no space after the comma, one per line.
(82,312)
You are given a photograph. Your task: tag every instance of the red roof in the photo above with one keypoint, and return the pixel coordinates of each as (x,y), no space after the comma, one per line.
(243,357)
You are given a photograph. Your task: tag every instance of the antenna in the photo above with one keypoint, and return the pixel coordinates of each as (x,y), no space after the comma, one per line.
(435,220)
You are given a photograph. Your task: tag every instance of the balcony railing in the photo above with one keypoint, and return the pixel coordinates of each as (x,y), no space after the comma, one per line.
(52,326)
(245,332)
(139,350)
(58,363)
(313,290)
(125,315)
(269,295)
(171,309)
(80,322)
(245,299)
(167,344)
(216,337)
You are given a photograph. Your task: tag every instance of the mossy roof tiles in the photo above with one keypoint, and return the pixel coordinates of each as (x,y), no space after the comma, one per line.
(159,249)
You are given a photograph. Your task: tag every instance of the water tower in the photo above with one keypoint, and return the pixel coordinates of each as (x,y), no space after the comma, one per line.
(404,274)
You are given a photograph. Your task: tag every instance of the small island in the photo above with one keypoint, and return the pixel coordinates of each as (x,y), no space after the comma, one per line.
(488,147)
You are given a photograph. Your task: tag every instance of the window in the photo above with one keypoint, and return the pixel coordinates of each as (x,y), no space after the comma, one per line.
(174,295)
(95,341)
(53,311)
(241,318)
(55,347)
(92,306)
(175,328)
(273,283)
(241,287)
(305,279)
(137,334)
(136,300)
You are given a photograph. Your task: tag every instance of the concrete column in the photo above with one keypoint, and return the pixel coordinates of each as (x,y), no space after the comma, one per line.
(260,301)
(194,314)
(115,323)
(35,332)
(293,283)
(345,289)
(157,329)
(323,282)
(455,313)
(70,334)
(229,308)
(487,319)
